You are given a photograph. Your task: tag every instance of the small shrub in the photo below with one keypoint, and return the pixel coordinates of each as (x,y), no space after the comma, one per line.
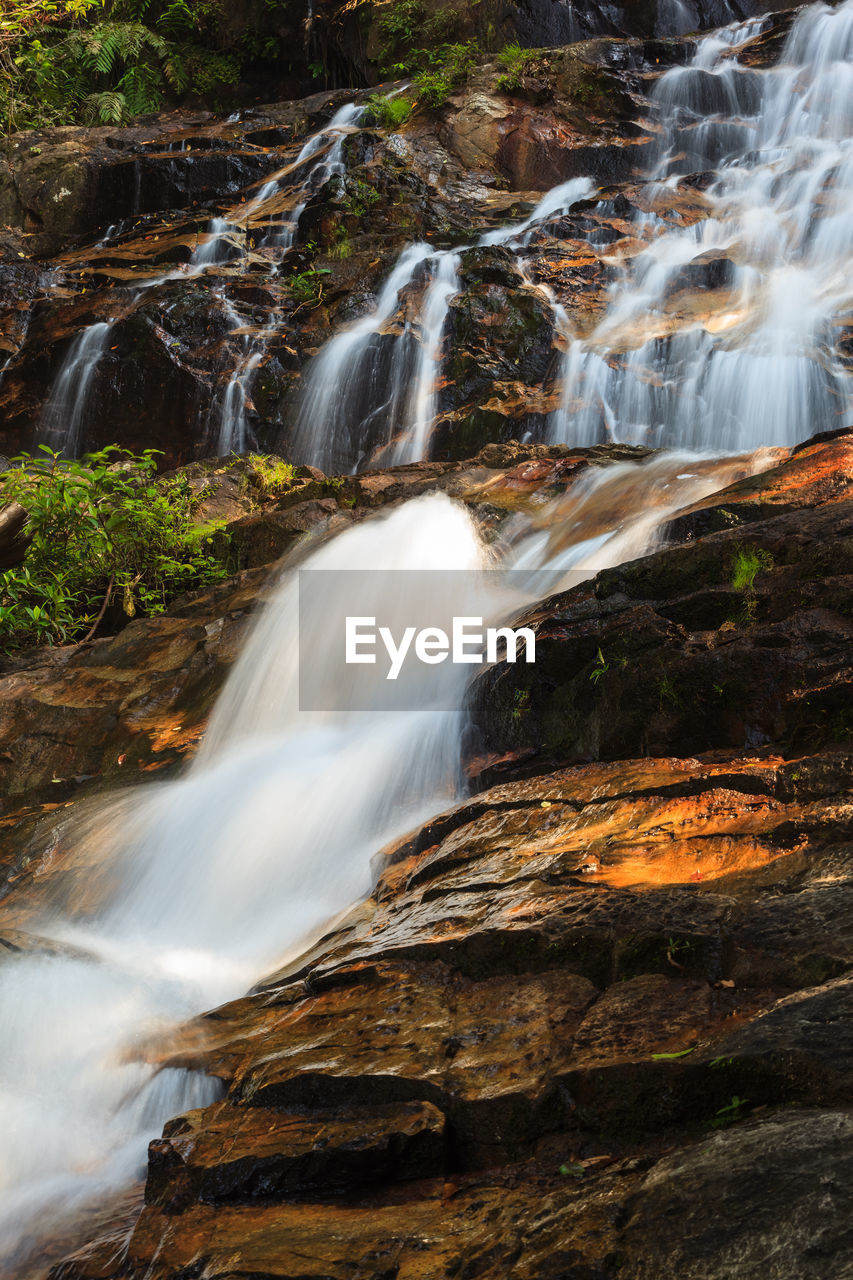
(99,532)
(360,197)
(389,113)
(515,60)
(307,286)
(449,66)
(273,475)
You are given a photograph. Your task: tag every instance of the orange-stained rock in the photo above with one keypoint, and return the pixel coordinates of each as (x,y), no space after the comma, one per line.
(599,1013)
(495,1004)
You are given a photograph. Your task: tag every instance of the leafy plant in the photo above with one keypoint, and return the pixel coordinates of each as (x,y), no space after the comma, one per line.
(601,667)
(307,286)
(105,60)
(748,563)
(521,703)
(449,66)
(515,60)
(731,1113)
(409,30)
(103,530)
(389,112)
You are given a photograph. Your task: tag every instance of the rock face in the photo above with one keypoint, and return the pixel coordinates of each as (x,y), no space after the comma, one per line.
(110,228)
(576,973)
(592,1021)
(736,639)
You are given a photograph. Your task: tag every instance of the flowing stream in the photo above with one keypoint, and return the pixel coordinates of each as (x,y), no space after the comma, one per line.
(207,882)
(759,366)
(204,884)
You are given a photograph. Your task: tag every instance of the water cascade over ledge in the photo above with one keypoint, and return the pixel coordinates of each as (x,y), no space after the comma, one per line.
(198,887)
(762,367)
(203,884)
(771,244)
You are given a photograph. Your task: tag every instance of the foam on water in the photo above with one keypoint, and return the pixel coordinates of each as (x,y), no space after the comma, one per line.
(760,367)
(202,885)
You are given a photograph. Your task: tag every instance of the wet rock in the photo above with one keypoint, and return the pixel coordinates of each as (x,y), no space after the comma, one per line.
(270,1155)
(672,652)
(259,539)
(582,1014)
(819,470)
(72,718)
(720,1219)
(545,1012)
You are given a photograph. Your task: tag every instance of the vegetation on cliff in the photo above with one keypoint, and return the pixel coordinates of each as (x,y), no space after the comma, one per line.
(103,533)
(107,61)
(89,61)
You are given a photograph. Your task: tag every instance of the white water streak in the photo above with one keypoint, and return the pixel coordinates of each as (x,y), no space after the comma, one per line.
(759,366)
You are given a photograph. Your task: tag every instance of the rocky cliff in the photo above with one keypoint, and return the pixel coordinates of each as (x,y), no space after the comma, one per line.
(610,992)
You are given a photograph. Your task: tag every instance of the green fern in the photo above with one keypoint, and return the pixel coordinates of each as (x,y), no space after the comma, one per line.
(104,108)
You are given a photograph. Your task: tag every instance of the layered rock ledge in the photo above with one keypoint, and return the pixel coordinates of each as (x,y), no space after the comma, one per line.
(593,1021)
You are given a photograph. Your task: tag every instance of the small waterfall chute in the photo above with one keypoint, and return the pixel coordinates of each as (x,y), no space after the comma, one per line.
(760,368)
(63,418)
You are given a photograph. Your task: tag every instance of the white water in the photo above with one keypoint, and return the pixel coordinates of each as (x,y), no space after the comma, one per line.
(758,367)
(372,390)
(223,241)
(214,877)
(234,431)
(332,136)
(64,413)
(269,834)
(206,883)
(348,384)
(224,238)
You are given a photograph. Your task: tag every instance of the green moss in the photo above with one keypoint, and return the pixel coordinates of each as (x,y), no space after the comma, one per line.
(272,474)
(747,564)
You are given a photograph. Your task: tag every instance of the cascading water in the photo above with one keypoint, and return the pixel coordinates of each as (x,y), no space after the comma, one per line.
(269,834)
(760,366)
(204,884)
(223,242)
(349,385)
(220,243)
(208,881)
(332,137)
(64,414)
(771,251)
(370,387)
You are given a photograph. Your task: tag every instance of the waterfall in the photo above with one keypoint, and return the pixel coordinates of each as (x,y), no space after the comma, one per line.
(234,433)
(369,388)
(761,366)
(64,414)
(332,136)
(350,384)
(218,247)
(217,875)
(204,884)
(443,285)
(234,429)
(211,251)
